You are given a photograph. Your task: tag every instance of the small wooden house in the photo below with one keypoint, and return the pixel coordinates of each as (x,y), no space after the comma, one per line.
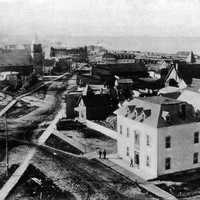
(93,107)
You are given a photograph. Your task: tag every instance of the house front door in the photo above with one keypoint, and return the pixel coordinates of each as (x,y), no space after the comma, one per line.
(136,158)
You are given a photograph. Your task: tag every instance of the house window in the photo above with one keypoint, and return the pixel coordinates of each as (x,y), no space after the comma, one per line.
(142,117)
(120,129)
(82,115)
(148,140)
(167,142)
(148,161)
(167,163)
(137,138)
(196,137)
(127,151)
(128,132)
(195,158)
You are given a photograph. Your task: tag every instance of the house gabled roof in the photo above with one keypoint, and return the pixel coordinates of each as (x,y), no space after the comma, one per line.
(125,81)
(174,74)
(96,100)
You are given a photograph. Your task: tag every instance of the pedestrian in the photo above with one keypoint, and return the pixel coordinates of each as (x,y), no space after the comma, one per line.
(104,154)
(131,162)
(100,152)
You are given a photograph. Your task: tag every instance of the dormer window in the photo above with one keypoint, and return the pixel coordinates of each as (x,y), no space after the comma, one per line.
(142,117)
(135,113)
(165,115)
(168,118)
(127,112)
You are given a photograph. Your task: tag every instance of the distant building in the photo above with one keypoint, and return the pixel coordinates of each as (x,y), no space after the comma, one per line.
(118,57)
(187,56)
(160,134)
(106,71)
(153,74)
(123,83)
(148,84)
(191,58)
(37,57)
(16,61)
(9,77)
(79,54)
(82,68)
(48,65)
(195,85)
(189,71)
(63,65)
(159,69)
(174,78)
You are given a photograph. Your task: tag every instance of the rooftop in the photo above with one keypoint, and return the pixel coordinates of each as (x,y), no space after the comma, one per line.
(96,100)
(17,57)
(159,100)
(191,97)
(158,111)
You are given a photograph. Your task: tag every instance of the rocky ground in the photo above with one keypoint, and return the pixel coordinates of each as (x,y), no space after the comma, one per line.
(75,178)
(183,185)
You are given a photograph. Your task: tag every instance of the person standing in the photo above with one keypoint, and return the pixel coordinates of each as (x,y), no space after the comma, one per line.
(100,152)
(104,154)
(131,162)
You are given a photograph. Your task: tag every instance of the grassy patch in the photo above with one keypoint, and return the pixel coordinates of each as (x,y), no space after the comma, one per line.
(57,143)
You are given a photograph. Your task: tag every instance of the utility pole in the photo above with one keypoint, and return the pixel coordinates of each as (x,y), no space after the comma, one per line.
(7,159)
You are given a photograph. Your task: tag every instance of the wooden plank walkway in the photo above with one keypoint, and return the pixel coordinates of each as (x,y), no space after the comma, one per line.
(159,192)
(10,105)
(13,180)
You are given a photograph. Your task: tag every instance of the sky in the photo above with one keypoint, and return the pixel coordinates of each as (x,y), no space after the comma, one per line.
(101,17)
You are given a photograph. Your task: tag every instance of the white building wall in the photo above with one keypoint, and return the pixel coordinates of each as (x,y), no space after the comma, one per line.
(144,150)
(182,148)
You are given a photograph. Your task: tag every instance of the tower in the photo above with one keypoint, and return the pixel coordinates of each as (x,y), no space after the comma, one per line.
(37,55)
(191,58)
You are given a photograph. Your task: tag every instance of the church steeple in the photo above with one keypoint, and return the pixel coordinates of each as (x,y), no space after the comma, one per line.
(191,58)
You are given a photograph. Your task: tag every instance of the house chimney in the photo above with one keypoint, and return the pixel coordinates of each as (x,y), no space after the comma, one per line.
(176,66)
(183,111)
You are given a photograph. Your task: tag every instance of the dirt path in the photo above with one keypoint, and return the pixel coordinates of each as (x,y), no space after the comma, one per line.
(48,106)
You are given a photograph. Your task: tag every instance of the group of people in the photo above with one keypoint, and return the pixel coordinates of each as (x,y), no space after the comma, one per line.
(102,154)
